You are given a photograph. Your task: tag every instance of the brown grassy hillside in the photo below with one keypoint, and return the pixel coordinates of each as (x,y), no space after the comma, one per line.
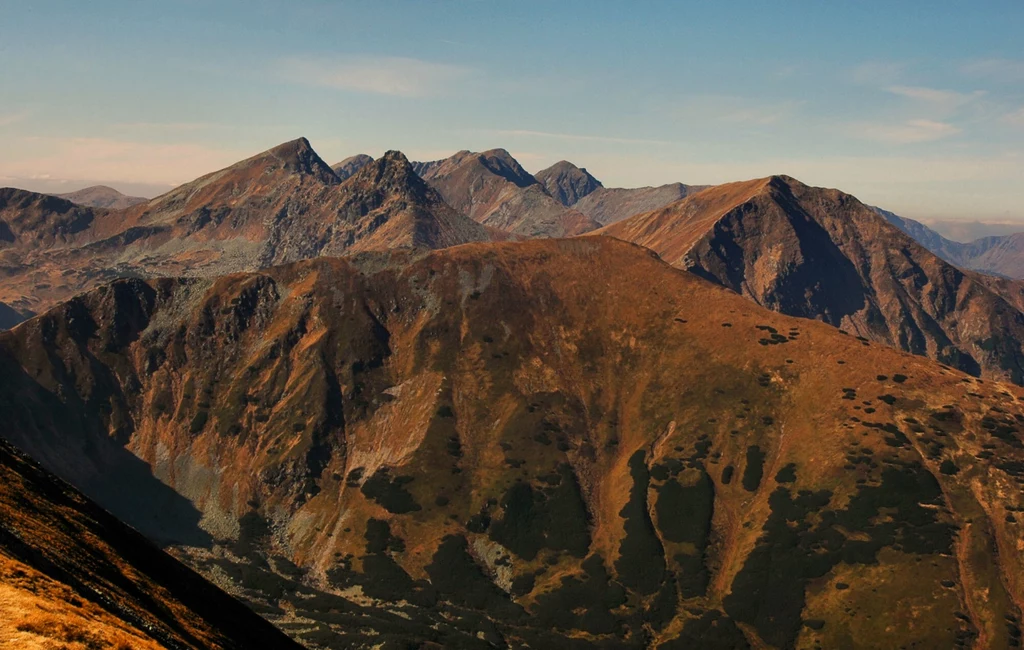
(488,443)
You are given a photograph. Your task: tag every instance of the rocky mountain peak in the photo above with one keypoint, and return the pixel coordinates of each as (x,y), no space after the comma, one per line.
(298,156)
(501,162)
(566,182)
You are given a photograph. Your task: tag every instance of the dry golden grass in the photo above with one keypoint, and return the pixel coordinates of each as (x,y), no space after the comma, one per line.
(39,613)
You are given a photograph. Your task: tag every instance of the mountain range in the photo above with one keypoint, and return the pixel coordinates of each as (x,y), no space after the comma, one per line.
(998,255)
(393,404)
(475,443)
(560,201)
(282,205)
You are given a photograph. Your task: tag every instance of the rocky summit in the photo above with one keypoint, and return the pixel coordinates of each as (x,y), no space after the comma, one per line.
(819,253)
(474,448)
(567,183)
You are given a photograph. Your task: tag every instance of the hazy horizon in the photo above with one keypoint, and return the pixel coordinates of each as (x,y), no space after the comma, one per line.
(921,112)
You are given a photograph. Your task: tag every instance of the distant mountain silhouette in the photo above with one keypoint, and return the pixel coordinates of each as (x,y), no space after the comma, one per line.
(101,196)
(351,165)
(1000,255)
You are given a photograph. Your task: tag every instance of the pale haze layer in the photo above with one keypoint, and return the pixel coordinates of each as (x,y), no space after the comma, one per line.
(912,108)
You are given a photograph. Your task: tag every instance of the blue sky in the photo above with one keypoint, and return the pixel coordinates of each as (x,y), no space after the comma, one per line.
(915,106)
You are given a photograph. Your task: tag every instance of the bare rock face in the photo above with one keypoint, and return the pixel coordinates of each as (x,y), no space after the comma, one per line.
(492,188)
(472,448)
(71,574)
(31,220)
(822,254)
(567,183)
(282,205)
(101,196)
(576,188)
(608,205)
(351,165)
(1001,255)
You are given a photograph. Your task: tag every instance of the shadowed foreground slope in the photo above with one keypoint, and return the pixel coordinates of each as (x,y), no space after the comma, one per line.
(553,443)
(72,576)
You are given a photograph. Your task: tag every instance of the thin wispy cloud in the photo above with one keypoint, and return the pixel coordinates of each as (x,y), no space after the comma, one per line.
(165,126)
(394,76)
(115,159)
(732,109)
(7,119)
(573,137)
(908,132)
(1008,70)
(1015,118)
(878,72)
(944,99)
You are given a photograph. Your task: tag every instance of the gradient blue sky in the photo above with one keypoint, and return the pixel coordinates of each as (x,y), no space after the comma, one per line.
(916,106)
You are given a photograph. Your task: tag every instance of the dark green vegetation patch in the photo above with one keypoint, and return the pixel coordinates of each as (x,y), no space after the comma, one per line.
(593,593)
(383,578)
(554,516)
(641,563)
(390,493)
(712,630)
(684,516)
(684,512)
(768,592)
(727,474)
(754,469)
(460,580)
(787,474)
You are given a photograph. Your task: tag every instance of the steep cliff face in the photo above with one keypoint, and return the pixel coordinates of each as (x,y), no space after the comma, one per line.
(822,254)
(474,448)
(72,576)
